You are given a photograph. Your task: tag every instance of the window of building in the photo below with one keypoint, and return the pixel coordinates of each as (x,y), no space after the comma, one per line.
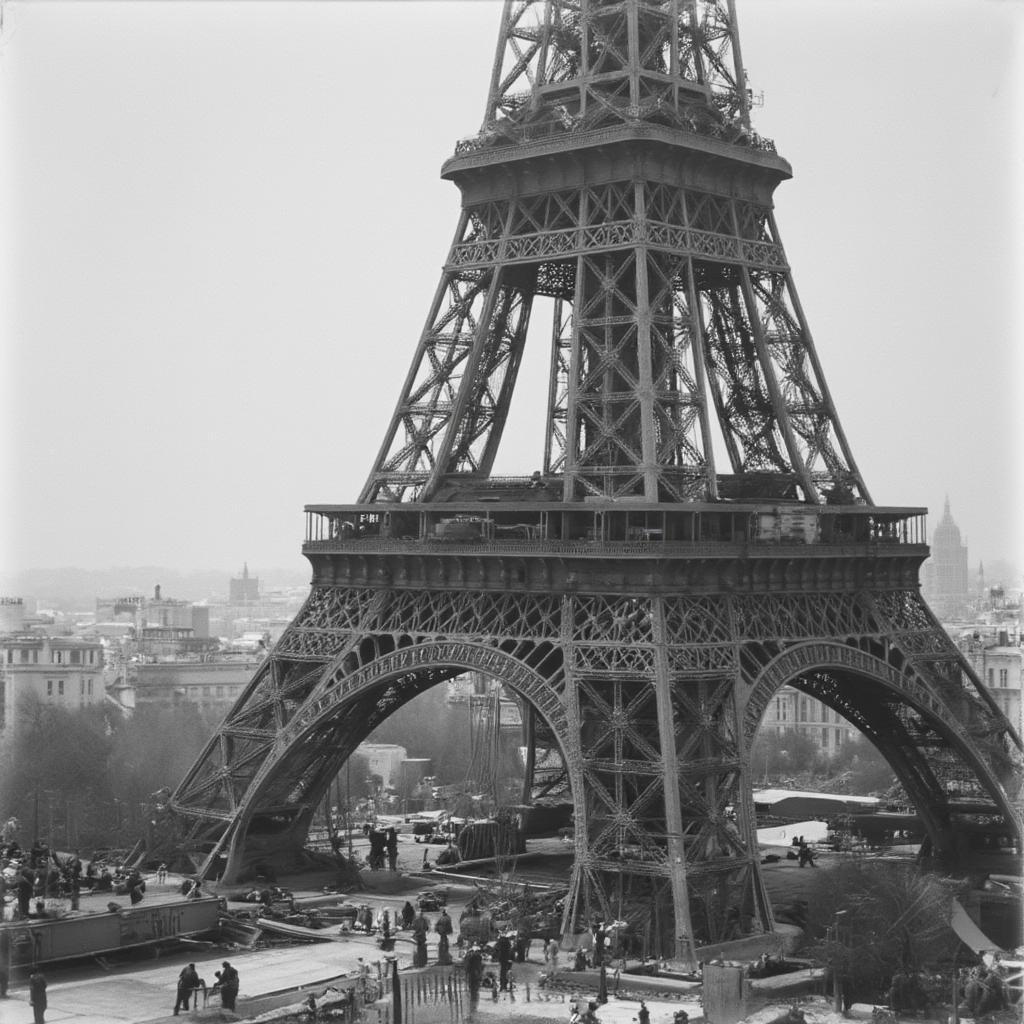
(10,656)
(803,709)
(60,687)
(824,737)
(81,687)
(89,687)
(991,677)
(24,656)
(49,687)
(839,737)
(76,657)
(1003,676)
(207,690)
(220,691)
(35,657)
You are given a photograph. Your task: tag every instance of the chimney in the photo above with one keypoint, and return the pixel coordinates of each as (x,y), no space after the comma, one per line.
(156,592)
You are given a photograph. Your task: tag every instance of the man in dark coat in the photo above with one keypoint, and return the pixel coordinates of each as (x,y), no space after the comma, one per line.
(444,929)
(5,960)
(474,973)
(26,882)
(228,986)
(408,914)
(420,930)
(188,982)
(503,954)
(37,995)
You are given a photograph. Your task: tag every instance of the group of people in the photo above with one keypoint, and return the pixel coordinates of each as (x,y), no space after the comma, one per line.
(40,873)
(383,843)
(190,985)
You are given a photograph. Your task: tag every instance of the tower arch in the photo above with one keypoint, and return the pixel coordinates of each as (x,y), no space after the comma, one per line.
(900,711)
(357,691)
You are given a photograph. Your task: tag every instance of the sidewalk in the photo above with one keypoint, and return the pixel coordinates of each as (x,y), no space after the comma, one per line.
(134,993)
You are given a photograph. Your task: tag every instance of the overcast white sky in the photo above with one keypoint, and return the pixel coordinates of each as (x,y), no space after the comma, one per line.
(222,225)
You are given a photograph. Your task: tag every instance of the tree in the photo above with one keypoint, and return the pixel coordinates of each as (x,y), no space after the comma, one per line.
(785,755)
(889,916)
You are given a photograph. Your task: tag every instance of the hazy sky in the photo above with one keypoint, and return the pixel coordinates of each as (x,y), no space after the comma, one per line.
(222,225)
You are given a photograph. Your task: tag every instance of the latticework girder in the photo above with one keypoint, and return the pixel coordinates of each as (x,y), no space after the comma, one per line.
(658,793)
(643,600)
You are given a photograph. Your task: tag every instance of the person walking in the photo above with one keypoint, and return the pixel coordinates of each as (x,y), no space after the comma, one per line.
(37,995)
(188,982)
(228,986)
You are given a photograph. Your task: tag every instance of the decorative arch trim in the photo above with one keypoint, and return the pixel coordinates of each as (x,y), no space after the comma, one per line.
(821,654)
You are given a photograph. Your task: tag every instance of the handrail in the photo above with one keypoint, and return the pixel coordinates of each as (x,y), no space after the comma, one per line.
(604,549)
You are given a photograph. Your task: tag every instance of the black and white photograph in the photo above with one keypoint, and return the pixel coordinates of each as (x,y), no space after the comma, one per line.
(511,511)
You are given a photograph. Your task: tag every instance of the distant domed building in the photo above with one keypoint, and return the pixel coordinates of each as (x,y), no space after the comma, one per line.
(945,573)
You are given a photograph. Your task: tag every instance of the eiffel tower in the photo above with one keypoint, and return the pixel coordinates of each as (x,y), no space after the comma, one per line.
(698,537)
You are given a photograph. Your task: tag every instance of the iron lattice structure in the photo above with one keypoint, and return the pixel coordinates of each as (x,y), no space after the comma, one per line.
(644,604)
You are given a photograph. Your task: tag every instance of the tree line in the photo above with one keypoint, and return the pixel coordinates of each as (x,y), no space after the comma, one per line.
(82,779)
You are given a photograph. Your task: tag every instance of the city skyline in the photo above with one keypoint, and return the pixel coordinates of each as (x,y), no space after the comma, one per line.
(224,224)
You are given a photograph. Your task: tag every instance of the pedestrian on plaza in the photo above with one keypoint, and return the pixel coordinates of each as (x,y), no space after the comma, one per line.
(161,873)
(391,844)
(228,986)
(5,960)
(806,855)
(444,930)
(643,1015)
(551,951)
(420,930)
(26,881)
(474,962)
(37,995)
(504,955)
(364,977)
(188,982)
(408,914)
(599,940)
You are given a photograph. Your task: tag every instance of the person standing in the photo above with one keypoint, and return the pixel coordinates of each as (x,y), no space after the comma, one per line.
(408,914)
(26,882)
(503,954)
(37,995)
(392,848)
(5,960)
(474,962)
(551,951)
(228,986)
(444,930)
(420,930)
(188,982)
